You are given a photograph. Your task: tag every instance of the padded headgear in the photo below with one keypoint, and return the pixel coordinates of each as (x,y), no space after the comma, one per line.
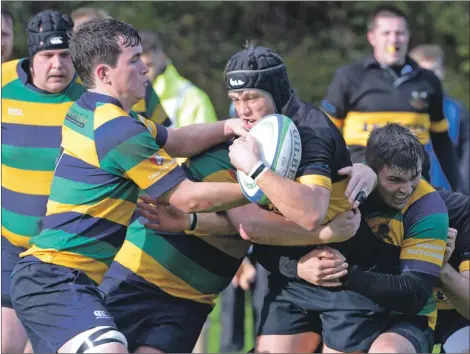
(48,30)
(261,69)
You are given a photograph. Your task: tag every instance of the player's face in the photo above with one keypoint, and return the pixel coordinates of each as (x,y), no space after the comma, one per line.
(7,38)
(52,70)
(154,62)
(252,105)
(395,186)
(389,39)
(129,77)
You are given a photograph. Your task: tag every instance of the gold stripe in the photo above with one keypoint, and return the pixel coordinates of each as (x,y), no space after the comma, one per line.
(221,176)
(439,127)
(146,173)
(139,262)
(35,113)
(317,180)
(354,133)
(79,146)
(151,127)
(9,72)
(159,115)
(140,106)
(432,319)
(17,240)
(92,267)
(338,122)
(415,249)
(106,113)
(115,210)
(27,182)
(445,306)
(464,266)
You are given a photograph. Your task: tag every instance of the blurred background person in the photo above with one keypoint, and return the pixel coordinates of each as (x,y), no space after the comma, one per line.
(85,14)
(431,57)
(184,102)
(8,23)
(390,86)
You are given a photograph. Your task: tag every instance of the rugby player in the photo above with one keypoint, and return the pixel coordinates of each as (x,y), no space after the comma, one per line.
(263,88)
(36,93)
(390,86)
(107,154)
(409,222)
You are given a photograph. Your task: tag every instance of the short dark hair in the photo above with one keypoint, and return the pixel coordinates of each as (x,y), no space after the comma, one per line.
(7,14)
(394,146)
(150,42)
(384,11)
(97,42)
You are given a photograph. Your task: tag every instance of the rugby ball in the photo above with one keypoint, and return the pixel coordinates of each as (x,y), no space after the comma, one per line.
(280,150)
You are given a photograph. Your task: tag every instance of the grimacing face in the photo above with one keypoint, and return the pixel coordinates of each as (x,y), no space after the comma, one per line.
(252,105)
(389,39)
(396,186)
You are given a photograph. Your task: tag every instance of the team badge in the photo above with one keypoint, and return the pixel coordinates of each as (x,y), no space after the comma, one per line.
(419,100)
(156,159)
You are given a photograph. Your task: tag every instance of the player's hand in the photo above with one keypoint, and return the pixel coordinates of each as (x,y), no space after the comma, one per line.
(343,226)
(450,244)
(244,153)
(162,217)
(322,267)
(245,275)
(363,178)
(234,127)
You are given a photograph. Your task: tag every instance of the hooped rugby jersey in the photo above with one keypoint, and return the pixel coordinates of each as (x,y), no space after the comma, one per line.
(106,156)
(415,237)
(31,135)
(189,266)
(364,95)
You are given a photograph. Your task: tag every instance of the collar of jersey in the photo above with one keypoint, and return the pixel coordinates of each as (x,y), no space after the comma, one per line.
(94,99)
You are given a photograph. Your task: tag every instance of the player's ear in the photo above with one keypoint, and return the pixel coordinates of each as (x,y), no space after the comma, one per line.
(102,74)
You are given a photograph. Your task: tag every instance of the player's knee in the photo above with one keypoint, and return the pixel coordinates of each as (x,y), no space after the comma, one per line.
(93,340)
(391,343)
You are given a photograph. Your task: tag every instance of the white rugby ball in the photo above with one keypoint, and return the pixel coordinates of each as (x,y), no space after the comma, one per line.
(280,149)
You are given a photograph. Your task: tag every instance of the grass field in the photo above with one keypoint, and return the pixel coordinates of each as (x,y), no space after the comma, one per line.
(215,329)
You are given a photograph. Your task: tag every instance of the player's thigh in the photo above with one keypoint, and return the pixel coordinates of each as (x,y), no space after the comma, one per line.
(101,339)
(405,334)
(55,303)
(151,318)
(147,349)
(14,336)
(288,343)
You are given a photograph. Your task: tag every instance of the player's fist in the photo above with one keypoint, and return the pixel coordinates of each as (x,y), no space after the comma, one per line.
(342,227)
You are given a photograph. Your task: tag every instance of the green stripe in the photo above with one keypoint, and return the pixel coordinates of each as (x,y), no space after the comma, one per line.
(85,246)
(433,226)
(29,158)
(173,260)
(131,152)
(78,193)
(22,225)
(204,165)
(430,306)
(285,129)
(80,120)
(15,90)
(152,103)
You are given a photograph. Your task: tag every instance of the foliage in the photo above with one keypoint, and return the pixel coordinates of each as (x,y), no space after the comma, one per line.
(314,38)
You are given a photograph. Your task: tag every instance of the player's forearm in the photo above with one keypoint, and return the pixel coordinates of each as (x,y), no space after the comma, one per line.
(194,139)
(192,197)
(214,224)
(268,228)
(407,292)
(455,287)
(294,200)
(446,155)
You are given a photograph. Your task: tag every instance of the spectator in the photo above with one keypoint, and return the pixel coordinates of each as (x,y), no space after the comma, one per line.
(85,14)
(184,102)
(8,23)
(431,57)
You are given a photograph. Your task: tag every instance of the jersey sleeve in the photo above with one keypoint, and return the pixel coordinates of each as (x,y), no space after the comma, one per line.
(439,123)
(211,166)
(316,163)
(335,104)
(425,224)
(131,148)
